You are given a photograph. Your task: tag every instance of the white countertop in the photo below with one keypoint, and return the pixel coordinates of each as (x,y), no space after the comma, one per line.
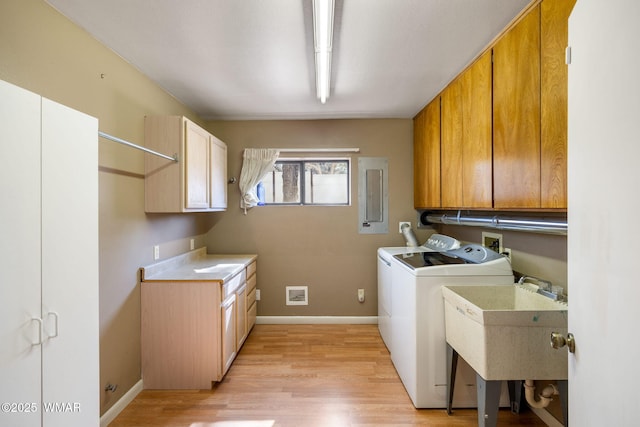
(197,265)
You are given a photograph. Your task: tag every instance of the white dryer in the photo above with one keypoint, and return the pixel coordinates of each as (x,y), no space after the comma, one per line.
(385,288)
(415,325)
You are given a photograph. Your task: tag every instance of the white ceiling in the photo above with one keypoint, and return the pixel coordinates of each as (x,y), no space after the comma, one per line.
(253,59)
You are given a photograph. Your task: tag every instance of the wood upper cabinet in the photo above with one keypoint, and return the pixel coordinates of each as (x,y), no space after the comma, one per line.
(197,182)
(218,171)
(501,141)
(554,77)
(466,138)
(516,115)
(196,166)
(426,156)
(451,145)
(477,134)
(530,110)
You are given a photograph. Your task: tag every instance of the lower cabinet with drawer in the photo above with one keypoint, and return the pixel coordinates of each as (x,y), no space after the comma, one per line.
(252,304)
(192,330)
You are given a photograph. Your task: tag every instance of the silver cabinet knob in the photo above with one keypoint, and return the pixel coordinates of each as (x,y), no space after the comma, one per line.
(558,341)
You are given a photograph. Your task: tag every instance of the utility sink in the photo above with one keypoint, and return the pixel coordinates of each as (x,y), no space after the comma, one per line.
(503,332)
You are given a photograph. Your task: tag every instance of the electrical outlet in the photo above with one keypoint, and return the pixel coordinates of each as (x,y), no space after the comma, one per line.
(492,241)
(192,244)
(507,252)
(257,294)
(156,252)
(361,295)
(401,223)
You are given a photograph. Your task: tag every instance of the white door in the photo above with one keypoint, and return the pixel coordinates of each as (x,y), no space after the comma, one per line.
(20,257)
(604,204)
(70,358)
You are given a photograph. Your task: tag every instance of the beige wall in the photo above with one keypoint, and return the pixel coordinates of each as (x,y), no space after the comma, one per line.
(312,245)
(43,52)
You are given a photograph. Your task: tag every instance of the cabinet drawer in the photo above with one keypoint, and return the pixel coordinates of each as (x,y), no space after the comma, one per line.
(234,283)
(251,269)
(251,282)
(251,316)
(251,297)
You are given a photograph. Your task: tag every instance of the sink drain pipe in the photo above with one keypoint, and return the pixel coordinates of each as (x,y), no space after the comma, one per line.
(545,396)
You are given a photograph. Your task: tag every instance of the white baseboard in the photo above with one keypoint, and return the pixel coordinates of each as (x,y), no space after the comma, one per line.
(546,417)
(122,403)
(297,320)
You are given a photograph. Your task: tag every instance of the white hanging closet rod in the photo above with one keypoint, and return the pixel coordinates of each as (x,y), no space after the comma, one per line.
(173,158)
(318,150)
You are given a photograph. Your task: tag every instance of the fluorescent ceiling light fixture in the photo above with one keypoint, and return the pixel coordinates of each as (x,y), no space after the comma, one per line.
(323,40)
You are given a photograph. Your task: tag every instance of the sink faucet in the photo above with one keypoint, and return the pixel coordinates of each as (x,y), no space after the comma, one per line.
(544,287)
(543,284)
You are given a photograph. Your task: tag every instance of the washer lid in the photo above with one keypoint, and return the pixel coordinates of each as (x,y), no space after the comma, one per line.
(468,254)
(429,259)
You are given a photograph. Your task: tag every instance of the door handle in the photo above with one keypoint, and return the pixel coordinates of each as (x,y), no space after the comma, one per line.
(39,321)
(558,341)
(55,323)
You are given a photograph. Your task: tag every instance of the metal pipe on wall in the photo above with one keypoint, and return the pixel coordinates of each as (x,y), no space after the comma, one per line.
(545,225)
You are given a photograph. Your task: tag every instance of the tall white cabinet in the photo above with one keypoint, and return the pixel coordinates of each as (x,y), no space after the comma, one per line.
(49,330)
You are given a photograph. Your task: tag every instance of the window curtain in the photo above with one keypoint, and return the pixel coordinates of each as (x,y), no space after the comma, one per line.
(256,163)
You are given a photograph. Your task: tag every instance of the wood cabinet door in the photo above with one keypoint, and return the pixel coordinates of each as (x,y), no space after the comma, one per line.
(554,75)
(451,145)
(241,316)
(516,115)
(196,161)
(477,164)
(228,311)
(426,156)
(218,174)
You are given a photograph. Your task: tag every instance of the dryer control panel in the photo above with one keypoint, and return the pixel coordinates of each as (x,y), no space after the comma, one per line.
(475,253)
(442,243)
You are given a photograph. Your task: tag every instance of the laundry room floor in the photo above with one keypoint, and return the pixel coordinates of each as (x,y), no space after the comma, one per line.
(303,375)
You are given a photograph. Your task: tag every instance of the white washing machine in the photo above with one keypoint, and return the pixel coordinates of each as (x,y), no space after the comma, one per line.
(414,324)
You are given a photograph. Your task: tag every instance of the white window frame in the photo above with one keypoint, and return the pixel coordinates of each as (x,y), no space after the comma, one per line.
(302,161)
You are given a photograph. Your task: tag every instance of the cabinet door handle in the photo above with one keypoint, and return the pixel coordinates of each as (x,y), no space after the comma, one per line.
(39,320)
(55,323)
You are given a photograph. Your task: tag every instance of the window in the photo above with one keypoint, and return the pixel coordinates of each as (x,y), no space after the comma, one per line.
(307,182)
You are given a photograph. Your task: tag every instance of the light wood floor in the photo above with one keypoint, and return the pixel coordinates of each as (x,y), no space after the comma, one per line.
(303,375)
